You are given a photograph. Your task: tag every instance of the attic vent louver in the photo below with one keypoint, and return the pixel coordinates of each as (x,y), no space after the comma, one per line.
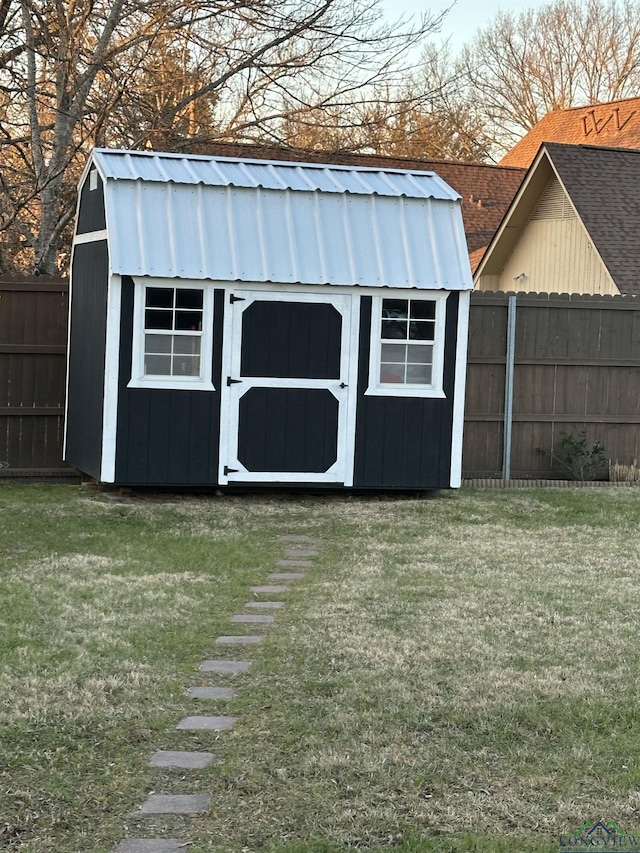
(554,203)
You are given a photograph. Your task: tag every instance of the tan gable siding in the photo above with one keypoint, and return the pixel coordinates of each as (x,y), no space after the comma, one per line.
(555,256)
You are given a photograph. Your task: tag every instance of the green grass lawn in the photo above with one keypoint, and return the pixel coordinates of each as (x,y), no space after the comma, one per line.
(456,673)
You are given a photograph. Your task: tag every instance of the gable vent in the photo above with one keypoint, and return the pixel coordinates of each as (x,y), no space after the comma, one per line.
(554,203)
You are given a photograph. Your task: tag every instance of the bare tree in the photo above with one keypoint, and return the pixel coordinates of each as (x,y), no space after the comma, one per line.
(429,118)
(74,73)
(564,54)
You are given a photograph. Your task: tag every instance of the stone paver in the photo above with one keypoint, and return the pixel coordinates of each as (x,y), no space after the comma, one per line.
(240,640)
(294,537)
(303,564)
(184,760)
(286,576)
(211,692)
(227,667)
(301,552)
(253,618)
(152,845)
(272,590)
(207,724)
(176,804)
(272,605)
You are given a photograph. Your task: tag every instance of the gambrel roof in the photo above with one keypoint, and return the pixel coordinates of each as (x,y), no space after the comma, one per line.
(486,190)
(602,185)
(220,218)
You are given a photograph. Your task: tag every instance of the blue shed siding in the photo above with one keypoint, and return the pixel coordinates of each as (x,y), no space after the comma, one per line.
(88,318)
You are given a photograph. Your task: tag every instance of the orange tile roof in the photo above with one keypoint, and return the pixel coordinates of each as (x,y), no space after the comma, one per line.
(615,124)
(486,191)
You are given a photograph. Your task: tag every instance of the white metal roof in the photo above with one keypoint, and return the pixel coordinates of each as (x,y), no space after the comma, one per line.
(196,217)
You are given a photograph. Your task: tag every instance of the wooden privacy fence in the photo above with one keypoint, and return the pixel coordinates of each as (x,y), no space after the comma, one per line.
(539,365)
(33,343)
(545,364)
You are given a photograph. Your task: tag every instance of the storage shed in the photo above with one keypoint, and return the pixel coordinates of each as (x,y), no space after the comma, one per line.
(246,322)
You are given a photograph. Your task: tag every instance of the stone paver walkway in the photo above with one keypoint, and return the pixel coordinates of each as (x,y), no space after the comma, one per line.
(211,693)
(225,667)
(253,618)
(185,760)
(285,576)
(198,804)
(240,640)
(270,589)
(152,845)
(194,804)
(207,724)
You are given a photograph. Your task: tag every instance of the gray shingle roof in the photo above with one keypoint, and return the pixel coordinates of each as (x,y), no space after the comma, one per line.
(604,186)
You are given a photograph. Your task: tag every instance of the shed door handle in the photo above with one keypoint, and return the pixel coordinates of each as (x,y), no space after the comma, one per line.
(343,385)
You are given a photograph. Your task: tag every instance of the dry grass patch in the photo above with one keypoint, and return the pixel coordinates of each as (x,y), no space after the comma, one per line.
(454,674)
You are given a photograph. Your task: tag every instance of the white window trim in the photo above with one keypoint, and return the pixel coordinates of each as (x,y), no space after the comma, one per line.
(435,389)
(175,383)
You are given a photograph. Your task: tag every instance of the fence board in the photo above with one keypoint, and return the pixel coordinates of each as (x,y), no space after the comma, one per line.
(577,367)
(33,338)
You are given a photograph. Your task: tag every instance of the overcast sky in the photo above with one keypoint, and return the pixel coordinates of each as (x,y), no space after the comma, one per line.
(465,17)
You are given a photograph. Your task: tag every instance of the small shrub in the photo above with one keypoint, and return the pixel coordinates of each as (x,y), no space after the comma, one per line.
(578,460)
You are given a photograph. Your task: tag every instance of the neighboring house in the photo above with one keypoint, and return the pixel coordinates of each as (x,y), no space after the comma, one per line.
(615,124)
(486,191)
(245,322)
(573,226)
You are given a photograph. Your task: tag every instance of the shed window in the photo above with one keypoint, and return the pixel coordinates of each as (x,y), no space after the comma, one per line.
(172,337)
(172,331)
(407,346)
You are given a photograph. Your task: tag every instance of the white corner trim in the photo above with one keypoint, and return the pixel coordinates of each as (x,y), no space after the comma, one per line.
(352,394)
(90,237)
(459,386)
(111,370)
(66,381)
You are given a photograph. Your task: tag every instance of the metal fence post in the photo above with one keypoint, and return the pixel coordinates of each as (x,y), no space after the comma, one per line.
(508,387)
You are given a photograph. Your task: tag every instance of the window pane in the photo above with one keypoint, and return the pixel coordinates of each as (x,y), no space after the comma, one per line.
(423,309)
(420,354)
(189,298)
(158,319)
(419,374)
(186,365)
(394,330)
(157,344)
(392,373)
(422,330)
(157,365)
(186,345)
(159,297)
(395,308)
(394,352)
(188,320)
